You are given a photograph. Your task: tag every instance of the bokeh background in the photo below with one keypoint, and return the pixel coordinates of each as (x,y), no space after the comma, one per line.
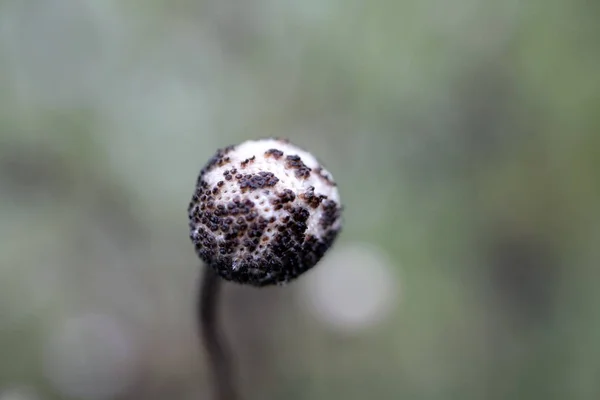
(465,139)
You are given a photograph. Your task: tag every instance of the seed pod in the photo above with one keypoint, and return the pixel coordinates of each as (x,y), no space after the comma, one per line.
(263,212)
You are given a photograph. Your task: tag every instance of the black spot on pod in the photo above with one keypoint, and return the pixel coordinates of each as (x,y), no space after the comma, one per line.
(295,162)
(257,181)
(275,153)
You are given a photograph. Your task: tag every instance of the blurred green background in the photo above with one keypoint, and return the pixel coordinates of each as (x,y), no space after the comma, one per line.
(465,139)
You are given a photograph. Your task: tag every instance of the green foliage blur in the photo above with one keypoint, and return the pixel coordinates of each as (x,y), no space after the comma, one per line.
(464,136)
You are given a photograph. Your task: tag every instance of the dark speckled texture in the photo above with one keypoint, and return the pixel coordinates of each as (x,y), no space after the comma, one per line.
(260,235)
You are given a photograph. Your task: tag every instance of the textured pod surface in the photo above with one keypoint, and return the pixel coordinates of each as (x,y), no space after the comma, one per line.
(263,212)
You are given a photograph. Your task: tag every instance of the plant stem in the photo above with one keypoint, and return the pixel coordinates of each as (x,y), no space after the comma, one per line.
(212,338)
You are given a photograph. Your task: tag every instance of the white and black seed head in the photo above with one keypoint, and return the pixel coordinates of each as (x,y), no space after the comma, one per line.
(264,212)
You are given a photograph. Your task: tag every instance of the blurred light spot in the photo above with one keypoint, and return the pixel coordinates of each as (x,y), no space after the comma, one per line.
(90,357)
(352,288)
(19,393)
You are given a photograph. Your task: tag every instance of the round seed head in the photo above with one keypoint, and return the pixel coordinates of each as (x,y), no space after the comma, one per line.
(263,212)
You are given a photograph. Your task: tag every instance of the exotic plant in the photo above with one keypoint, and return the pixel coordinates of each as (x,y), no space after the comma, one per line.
(262,213)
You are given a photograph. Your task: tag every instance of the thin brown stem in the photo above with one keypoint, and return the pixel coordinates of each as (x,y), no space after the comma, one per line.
(214,342)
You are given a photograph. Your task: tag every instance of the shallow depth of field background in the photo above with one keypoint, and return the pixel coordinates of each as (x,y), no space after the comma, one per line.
(465,139)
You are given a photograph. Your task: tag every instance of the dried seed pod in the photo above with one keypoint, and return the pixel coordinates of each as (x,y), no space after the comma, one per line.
(263,212)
